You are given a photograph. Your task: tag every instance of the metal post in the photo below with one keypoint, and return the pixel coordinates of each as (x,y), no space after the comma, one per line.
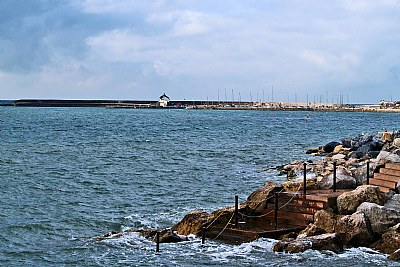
(368,172)
(158,241)
(334,176)
(276,211)
(236,211)
(203,235)
(305,179)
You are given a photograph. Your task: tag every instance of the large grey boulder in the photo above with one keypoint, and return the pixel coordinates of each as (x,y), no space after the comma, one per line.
(343,180)
(329,242)
(354,230)
(380,217)
(385,156)
(393,203)
(348,202)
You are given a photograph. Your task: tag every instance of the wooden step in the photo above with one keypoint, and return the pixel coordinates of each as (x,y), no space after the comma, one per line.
(389,171)
(300,202)
(392,166)
(383,183)
(387,177)
(384,189)
(299,208)
(289,215)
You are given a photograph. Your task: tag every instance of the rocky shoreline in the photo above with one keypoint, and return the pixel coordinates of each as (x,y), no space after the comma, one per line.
(363,216)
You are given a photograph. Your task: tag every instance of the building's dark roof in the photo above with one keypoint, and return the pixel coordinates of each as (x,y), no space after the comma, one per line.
(164,96)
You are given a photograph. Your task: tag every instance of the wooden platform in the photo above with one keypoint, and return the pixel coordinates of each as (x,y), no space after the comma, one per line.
(387,177)
(295,212)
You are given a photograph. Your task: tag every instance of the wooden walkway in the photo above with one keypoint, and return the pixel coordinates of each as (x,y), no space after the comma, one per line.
(387,177)
(295,212)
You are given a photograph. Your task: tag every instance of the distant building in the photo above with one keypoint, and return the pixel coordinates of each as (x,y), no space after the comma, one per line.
(163,102)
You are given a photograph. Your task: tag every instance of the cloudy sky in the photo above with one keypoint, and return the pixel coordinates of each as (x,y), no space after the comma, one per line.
(199,49)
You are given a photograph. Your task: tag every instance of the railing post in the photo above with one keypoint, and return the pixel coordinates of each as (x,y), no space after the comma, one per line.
(334,176)
(368,172)
(305,179)
(158,241)
(276,211)
(236,211)
(203,235)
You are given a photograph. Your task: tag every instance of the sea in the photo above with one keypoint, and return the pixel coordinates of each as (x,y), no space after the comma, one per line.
(69,175)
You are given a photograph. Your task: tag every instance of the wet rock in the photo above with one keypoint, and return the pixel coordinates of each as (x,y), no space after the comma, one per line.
(343,180)
(169,236)
(389,242)
(312,150)
(192,222)
(387,136)
(356,154)
(311,230)
(354,230)
(329,242)
(258,199)
(395,256)
(328,148)
(380,217)
(364,149)
(325,219)
(348,202)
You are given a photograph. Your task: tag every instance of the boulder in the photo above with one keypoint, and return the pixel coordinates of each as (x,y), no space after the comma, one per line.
(354,230)
(385,156)
(343,180)
(395,256)
(364,149)
(258,199)
(356,155)
(312,150)
(338,149)
(192,222)
(389,242)
(325,219)
(328,148)
(169,236)
(360,173)
(311,184)
(339,157)
(393,203)
(396,142)
(348,202)
(387,136)
(380,217)
(329,242)
(311,230)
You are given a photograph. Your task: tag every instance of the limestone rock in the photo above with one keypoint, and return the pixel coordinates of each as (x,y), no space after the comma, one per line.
(192,222)
(380,217)
(338,149)
(339,157)
(390,241)
(348,202)
(343,180)
(396,142)
(258,199)
(325,220)
(385,156)
(354,230)
(387,136)
(329,242)
(395,256)
(311,230)
(393,203)
(297,185)
(168,236)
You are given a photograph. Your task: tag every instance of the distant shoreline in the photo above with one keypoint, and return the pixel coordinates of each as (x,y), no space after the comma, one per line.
(207,105)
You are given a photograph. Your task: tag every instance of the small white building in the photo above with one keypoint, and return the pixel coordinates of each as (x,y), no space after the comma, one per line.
(163,102)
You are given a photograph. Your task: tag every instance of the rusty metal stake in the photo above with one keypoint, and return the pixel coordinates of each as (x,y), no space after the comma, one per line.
(334,176)
(276,211)
(368,172)
(236,211)
(305,179)
(158,241)
(203,235)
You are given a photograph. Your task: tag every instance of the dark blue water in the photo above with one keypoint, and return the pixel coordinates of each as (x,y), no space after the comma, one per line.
(68,175)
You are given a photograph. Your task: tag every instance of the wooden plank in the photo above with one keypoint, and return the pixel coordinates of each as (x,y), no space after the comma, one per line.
(300,209)
(319,198)
(300,202)
(382,183)
(389,171)
(387,177)
(230,235)
(384,189)
(392,166)
(289,215)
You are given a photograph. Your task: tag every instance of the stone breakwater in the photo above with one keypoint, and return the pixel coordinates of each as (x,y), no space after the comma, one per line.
(364,216)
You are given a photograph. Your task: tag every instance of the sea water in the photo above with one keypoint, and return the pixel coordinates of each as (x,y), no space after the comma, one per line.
(68,175)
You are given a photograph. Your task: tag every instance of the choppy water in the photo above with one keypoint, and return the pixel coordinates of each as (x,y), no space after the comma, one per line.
(68,175)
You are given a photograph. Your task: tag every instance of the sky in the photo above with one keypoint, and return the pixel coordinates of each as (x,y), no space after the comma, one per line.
(259,50)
